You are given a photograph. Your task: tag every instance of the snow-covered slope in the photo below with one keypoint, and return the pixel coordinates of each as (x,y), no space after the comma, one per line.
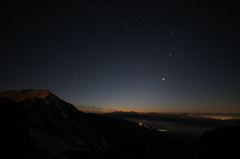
(36,123)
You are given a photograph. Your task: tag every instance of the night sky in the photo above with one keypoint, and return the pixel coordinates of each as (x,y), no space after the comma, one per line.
(158,56)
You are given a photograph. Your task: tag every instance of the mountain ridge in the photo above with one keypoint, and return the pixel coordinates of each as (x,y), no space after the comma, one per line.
(20,95)
(37,124)
(51,123)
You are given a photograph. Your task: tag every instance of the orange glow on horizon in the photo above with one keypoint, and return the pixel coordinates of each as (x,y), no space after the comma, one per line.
(139,110)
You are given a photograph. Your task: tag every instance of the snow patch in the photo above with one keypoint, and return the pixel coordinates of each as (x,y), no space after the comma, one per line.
(53,144)
(97,147)
(80,142)
(55,102)
(104,141)
(45,142)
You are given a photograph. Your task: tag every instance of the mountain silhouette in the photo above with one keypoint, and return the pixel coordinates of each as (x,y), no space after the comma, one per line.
(37,124)
(219,143)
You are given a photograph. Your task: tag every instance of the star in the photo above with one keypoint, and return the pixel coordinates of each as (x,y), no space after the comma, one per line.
(163,79)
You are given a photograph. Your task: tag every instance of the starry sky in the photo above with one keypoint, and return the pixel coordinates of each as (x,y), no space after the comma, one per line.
(135,55)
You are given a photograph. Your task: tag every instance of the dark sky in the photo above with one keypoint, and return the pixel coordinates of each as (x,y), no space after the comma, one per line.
(167,56)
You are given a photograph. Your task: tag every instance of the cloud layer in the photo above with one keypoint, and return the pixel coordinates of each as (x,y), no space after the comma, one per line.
(94,109)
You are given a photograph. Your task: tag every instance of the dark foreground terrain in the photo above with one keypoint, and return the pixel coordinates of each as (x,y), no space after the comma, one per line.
(37,124)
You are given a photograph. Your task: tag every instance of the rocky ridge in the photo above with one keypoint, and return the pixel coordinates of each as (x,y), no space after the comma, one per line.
(51,125)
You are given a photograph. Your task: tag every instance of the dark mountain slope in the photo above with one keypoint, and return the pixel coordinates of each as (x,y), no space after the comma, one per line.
(38,123)
(129,140)
(219,143)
